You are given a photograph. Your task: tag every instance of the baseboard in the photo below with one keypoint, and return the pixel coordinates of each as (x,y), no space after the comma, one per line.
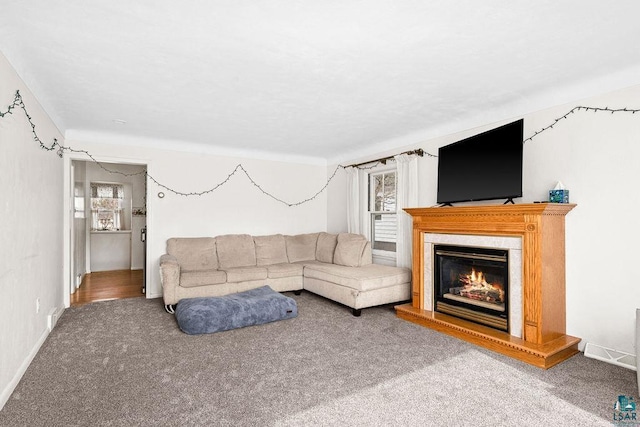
(151,296)
(8,390)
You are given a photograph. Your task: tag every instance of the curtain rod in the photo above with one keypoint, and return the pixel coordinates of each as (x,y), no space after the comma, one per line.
(383,160)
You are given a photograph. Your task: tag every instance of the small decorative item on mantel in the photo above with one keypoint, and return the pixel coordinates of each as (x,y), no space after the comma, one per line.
(559,194)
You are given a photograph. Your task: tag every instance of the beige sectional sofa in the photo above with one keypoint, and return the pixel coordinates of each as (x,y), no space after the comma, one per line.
(335,266)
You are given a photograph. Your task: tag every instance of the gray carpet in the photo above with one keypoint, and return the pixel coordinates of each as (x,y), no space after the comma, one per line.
(123,363)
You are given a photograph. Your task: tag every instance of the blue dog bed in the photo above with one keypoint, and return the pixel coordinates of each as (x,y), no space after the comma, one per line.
(252,307)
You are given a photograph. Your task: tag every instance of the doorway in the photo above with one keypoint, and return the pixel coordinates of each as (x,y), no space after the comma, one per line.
(108,285)
(108,231)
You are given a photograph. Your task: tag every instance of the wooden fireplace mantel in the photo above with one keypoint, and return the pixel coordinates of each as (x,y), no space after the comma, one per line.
(541,227)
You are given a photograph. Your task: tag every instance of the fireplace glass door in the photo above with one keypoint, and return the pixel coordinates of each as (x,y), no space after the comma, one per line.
(472,283)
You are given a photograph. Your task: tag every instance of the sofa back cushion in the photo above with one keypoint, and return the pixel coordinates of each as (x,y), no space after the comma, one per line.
(301,247)
(326,247)
(270,249)
(236,250)
(352,250)
(194,253)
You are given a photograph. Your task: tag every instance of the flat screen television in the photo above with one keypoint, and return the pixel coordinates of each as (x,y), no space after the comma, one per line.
(486,166)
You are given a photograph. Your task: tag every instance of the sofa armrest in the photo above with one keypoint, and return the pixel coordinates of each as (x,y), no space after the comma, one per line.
(169,278)
(367,255)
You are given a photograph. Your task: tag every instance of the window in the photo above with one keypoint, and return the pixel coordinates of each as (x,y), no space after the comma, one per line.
(382,208)
(106,206)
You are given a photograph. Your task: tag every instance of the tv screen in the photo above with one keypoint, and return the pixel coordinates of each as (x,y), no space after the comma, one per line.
(482,167)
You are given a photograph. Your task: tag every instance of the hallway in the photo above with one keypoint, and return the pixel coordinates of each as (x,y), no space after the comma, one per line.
(108,285)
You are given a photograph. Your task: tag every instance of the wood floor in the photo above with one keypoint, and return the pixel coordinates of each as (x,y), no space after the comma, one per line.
(108,285)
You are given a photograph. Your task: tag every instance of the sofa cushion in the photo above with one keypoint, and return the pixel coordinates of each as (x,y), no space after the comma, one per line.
(301,247)
(194,253)
(349,249)
(189,279)
(245,274)
(326,247)
(277,271)
(270,249)
(235,250)
(366,278)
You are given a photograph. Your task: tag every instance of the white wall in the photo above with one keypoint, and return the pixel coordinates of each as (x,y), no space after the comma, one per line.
(31,229)
(337,200)
(236,207)
(597,157)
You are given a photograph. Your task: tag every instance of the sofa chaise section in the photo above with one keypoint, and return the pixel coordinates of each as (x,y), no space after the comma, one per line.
(360,287)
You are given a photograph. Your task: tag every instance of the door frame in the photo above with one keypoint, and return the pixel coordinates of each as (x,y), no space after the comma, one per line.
(68,229)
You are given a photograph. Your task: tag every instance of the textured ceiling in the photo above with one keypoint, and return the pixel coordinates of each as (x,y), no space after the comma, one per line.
(319,80)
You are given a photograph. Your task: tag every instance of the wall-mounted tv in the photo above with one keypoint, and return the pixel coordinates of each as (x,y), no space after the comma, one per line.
(486,166)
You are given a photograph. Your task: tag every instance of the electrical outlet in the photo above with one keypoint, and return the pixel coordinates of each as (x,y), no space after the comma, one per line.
(37,305)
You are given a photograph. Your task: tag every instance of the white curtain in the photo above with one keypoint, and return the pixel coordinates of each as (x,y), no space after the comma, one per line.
(354,212)
(407,197)
(107,219)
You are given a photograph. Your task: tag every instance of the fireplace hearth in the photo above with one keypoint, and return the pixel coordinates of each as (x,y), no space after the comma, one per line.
(472,283)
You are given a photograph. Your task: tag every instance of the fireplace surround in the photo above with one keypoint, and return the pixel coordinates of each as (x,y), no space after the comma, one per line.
(472,283)
(534,236)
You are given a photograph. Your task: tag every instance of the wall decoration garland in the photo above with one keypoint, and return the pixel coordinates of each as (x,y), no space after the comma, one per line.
(61,149)
(579,108)
(18,102)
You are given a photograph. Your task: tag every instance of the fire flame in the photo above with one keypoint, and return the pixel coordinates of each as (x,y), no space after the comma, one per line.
(477,278)
(477,281)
